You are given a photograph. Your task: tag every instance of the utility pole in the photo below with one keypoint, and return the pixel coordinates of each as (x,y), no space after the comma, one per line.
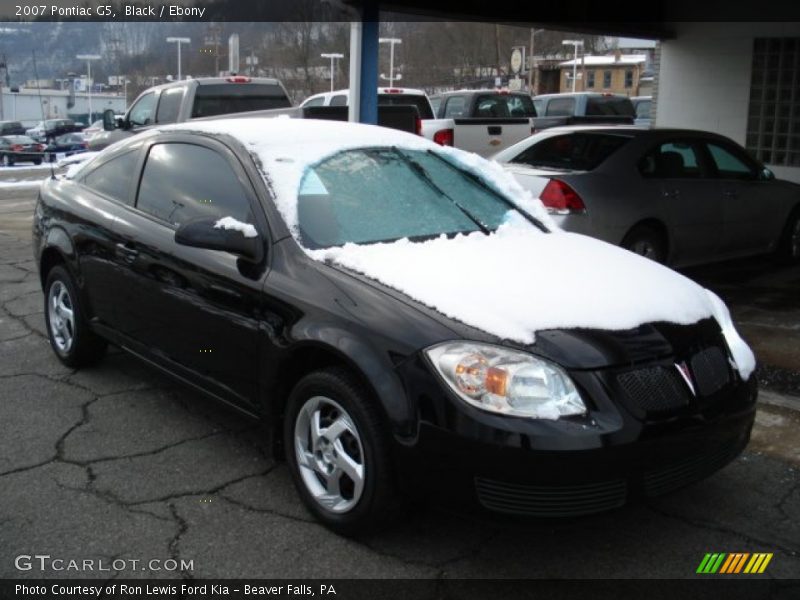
(574,43)
(89,58)
(532,64)
(333,56)
(391,42)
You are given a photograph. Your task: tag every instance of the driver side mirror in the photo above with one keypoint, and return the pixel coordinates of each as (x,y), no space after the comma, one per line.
(765,174)
(226,234)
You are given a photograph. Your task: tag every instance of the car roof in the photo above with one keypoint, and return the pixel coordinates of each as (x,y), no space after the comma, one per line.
(212,81)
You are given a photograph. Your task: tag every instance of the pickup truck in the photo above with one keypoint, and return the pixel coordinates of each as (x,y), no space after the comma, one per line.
(486,121)
(200,98)
(582,108)
(437,130)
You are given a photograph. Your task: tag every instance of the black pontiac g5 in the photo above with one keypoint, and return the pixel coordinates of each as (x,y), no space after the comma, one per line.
(243,257)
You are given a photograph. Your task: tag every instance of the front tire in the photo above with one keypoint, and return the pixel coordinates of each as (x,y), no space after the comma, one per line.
(789,244)
(73,342)
(337,452)
(648,242)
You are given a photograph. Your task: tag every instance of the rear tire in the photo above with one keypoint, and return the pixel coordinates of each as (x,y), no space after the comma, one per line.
(648,242)
(789,244)
(337,452)
(73,342)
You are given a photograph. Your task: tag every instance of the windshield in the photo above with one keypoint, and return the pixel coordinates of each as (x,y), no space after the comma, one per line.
(385,194)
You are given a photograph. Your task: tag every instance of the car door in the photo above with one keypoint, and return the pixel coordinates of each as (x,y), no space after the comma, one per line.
(192,310)
(676,174)
(746,202)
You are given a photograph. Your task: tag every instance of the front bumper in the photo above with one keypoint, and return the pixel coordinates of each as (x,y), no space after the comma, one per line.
(615,454)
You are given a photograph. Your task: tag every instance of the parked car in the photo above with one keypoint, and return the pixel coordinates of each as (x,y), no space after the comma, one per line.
(401,316)
(680,197)
(20,148)
(94,128)
(11,128)
(577,108)
(486,121)
(45,131)
(191,99)
(69,144)
(437,130)
(642,104)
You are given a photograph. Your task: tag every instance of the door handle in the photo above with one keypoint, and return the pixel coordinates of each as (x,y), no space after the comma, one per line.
(495,130)
(671,193)
(127,253)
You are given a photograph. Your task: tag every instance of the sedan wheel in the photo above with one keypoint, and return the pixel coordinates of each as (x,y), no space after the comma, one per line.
(646,241)
(329,454)
(74,343)
(337,450)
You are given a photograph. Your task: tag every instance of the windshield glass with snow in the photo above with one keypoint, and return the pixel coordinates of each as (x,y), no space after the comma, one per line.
(384,194)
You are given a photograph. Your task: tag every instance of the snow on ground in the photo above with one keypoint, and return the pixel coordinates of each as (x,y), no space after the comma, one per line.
(25,166)
(21,185)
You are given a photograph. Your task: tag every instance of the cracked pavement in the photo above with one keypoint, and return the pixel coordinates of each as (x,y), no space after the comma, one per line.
(117,461)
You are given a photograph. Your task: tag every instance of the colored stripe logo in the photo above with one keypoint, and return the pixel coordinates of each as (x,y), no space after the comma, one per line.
(734,563)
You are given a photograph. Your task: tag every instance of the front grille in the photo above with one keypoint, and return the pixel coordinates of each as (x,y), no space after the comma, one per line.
(655,389)
(550,501)
(711,370)
(663,480)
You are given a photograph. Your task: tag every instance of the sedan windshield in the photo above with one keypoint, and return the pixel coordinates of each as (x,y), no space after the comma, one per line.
(385,194)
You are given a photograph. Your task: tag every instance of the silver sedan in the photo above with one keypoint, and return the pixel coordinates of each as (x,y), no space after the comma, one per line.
(680,197)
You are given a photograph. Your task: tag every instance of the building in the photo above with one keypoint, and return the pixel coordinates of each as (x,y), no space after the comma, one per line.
(30,105)
(617,73)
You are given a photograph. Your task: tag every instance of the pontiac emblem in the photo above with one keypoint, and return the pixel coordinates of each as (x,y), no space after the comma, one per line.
(687,376)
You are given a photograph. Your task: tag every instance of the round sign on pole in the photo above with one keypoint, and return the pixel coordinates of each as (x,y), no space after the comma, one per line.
(516,60)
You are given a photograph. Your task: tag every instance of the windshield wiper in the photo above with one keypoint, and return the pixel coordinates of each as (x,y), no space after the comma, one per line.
(423,174)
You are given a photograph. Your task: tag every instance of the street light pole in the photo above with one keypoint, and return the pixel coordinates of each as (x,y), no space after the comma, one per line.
(575,43)
(179,41)
(391,42)
(333,56)
(89,58)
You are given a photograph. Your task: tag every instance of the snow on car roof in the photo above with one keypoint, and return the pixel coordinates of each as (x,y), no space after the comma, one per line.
(285,148)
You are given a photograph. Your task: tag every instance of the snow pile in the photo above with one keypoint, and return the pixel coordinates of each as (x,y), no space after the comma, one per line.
(230,223)
(518,281)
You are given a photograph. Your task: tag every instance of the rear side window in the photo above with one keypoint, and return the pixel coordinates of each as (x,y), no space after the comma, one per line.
(454,107)
(573,151)
(114,177)
(169,104)
(643,109)
(340,100)
(222,98)
(561,107)
(609,106)
(181,182)
(672,160)
(421,102)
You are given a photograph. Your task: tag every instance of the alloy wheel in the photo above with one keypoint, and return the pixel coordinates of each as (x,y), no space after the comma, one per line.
(62,316)
(330,455)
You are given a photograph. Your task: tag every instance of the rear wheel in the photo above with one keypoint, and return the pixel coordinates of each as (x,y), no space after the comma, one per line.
(38,161)
(646,241)
(338,453)
(73,342)
(789,244)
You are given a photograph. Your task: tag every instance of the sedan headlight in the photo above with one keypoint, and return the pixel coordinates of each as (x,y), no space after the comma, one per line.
(505,381)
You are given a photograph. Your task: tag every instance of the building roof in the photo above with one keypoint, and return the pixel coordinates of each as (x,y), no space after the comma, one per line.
(595,61)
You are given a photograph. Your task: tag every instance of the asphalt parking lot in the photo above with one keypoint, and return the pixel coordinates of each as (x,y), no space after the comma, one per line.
(117,462)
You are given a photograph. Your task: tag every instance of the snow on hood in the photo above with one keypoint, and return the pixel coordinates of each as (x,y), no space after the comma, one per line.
(512,283)
(518,281)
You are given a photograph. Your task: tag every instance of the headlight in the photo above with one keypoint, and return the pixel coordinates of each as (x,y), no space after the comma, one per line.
(506,381)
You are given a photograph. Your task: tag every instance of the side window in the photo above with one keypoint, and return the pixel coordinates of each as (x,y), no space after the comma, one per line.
(315,101)
(729,165)
(643,109)
(340,100)
(673,160)
(182,182)
(454,107)
(436,102)
(561,107)
(114,178)
(142,111)
(169,104)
